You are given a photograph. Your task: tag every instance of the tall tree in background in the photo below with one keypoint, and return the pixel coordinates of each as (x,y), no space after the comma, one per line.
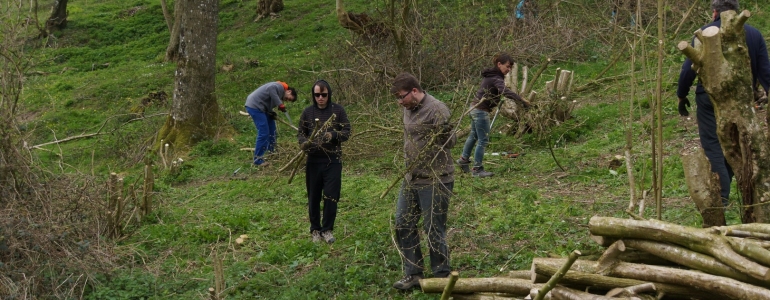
(58,18)
(194,113)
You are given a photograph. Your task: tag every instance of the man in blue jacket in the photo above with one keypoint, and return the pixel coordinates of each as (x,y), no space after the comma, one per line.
(260,104)
(760,72)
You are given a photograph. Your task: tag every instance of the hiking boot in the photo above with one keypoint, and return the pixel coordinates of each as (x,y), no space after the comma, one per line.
(316,236)
(328,236)
(479,172)
(465,164)
(408,282)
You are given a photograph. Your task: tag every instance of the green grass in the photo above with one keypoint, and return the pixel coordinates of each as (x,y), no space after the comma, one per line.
(531,208)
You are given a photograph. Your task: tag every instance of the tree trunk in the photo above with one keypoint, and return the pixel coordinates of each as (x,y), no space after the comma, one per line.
(703,186)
(58,18)
(167,16)
(195,113)
(268,7)
(172,51)
(722,61)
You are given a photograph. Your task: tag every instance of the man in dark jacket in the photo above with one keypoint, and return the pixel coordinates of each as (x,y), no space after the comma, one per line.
(428,184)
(760,71)
(260,104)
(323,170)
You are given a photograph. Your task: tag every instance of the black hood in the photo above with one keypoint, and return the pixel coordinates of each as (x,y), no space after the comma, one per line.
(324,84)
(492,72)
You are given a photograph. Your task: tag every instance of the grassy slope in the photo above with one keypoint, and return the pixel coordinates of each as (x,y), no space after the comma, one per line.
(529,209)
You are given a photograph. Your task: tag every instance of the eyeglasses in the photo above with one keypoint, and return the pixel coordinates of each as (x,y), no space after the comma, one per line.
(320,95)
(403,96)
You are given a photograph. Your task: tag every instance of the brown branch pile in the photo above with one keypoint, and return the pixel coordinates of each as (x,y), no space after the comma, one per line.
(644,259)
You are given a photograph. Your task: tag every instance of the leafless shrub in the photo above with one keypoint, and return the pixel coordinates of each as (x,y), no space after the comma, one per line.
(50,244)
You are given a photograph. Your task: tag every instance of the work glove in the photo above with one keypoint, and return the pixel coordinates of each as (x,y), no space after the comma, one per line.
(306,146)
(683,104)
(282,107)
(271,115)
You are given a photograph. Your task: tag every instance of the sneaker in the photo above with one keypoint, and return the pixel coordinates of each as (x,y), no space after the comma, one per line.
(328,236)
(465,164)
(408,282)
(479,172)
(316,236)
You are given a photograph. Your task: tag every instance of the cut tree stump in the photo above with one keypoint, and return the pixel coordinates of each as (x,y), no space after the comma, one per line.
(703,186)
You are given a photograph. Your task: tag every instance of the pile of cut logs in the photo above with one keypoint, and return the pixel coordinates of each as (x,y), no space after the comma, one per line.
(644,259)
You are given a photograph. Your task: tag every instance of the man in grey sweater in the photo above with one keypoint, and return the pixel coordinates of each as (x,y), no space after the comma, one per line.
(259,105)
(428,184)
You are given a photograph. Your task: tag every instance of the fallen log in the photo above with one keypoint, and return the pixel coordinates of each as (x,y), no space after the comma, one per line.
(583,274)
(692,260)
(518,287)
(563,293)
(706,241)
(671,281)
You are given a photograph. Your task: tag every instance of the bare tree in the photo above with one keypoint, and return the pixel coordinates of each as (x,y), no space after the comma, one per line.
(194,113)
(722,58)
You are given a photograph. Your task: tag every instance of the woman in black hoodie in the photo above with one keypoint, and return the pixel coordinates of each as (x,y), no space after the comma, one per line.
(323,169)
(487,97)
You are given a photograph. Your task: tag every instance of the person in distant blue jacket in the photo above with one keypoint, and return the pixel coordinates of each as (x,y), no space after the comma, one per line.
(707,125)
(260,104)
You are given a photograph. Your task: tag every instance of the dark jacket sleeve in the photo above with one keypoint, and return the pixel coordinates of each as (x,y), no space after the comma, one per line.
(762,73)
(305,128)
(342,132)
(686,78)
(508,93)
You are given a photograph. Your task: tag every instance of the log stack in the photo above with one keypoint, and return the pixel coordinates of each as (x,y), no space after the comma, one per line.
(643,259)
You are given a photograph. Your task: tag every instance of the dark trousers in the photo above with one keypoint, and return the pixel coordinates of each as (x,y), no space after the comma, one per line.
(323,182)
(707,130)
(431,202)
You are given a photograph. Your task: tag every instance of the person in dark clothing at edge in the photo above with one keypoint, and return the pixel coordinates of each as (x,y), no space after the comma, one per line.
(428,184)
(760,71)
(260,104)
(487,97)
(323,169)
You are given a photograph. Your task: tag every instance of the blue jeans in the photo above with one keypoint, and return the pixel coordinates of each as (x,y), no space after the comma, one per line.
(431,202)
(265,134)
(478,137)
(707,130)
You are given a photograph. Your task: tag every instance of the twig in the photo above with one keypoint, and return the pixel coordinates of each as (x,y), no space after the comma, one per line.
(450,285)
(686,15)
(550,148)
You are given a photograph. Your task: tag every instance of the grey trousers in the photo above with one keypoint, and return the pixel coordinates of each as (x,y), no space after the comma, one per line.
(431,202)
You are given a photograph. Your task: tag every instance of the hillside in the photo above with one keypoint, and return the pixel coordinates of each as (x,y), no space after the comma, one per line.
(92,76)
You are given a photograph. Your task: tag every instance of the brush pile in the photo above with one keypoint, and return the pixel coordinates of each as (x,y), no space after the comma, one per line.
(644,259)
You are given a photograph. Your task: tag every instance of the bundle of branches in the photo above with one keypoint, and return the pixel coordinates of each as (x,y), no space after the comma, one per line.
(645,259)
(548,111)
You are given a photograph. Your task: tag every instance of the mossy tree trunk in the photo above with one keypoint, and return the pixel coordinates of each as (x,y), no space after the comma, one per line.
(721,59)
(194,113)
(58,18)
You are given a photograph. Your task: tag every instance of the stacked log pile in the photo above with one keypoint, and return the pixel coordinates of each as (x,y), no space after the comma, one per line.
(643,259)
